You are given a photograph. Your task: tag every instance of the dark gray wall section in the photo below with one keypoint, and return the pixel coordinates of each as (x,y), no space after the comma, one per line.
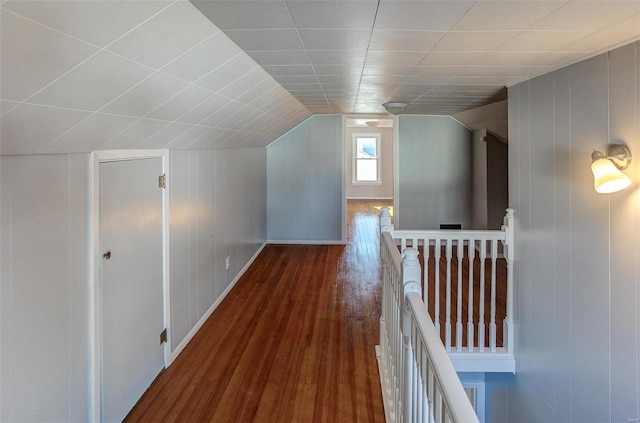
(305,185)
(434,172)
(576,299)
(497,181)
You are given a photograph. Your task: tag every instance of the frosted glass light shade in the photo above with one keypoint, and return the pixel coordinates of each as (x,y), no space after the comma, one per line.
(607,178)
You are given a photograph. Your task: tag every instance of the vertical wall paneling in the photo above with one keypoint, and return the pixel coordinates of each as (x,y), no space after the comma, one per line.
(562,242)
(305,185)
(217,210)
(624,243)
(576,297)
(434,175)
(590,299)
(44,291)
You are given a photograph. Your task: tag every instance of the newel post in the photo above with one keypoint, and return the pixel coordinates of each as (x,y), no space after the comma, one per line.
(509,254)
(385,220)
(411,274)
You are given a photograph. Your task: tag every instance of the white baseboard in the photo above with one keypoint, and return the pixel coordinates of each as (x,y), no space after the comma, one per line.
(207,314)
(305,242)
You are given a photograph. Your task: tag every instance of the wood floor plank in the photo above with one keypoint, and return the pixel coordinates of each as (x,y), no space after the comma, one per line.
(292,342)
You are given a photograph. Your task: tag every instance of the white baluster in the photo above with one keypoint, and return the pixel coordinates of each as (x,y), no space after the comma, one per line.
(425,278)
(437,254)
(460,256)
(447,316)
(481,326)
(471,251)
(492,324)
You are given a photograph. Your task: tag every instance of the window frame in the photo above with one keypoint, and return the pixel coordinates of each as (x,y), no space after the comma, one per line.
(354,161)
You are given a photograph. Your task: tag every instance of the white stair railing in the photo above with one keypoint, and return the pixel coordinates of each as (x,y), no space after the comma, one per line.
(418,380)
(463,265)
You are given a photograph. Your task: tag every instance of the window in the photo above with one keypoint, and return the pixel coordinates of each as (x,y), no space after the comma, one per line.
(366,166)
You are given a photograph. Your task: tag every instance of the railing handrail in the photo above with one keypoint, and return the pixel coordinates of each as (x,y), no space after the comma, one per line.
(454,396)
(452,234)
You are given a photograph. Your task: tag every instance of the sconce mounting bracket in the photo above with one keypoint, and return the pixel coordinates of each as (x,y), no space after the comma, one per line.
(620,155)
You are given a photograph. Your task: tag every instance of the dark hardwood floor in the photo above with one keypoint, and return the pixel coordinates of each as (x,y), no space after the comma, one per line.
(292,342)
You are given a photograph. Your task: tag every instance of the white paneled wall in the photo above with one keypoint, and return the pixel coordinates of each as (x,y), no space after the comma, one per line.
(434,173)
(218,209)
(44,289)
(577,296)
(305,183)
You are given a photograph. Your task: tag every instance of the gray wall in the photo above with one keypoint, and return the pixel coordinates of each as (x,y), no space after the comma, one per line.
(218,208)
(576,300)
(305,183)
(479,208)
(434,173)
(385,188)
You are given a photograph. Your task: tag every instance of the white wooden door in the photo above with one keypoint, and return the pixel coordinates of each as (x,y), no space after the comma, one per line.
(131,282)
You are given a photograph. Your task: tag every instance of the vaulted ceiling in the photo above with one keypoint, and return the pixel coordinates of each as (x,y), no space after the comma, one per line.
(77,76)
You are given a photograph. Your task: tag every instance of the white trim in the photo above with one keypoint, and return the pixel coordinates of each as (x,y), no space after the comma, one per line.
(304,242)
(215,305)
(354,158)
(95,336)
(369,198)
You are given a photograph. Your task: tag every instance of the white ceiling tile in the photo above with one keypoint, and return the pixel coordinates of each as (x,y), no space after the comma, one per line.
(398,58)
(631,23)
(94,83)
(265,98)
(446,58)
(220,114)
(227,73)
(246,14)
(34,56)
(295,79)
(266,39)
(188,137)
(426,15)
(167,35)
(387,70)
(531,58)
(404,40)
(211,53)
(333,14)
(303,86)
(335,39)
(336,57)
(89,134)
(244,83)
(256,91)
(163,138)
(587,15)
(542,40)
(21,135)
(347,70)
(602,40)
(134,135)
(204,109)
(181,103)
(473,41)
(289,70)
(97,22)
(280,57)
(505,15)
(6,105)
(146,96)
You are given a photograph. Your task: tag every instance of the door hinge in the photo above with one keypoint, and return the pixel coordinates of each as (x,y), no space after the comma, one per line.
(162,181)
(163,336)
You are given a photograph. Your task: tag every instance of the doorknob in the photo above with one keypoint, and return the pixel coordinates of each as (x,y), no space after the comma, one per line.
(107,255)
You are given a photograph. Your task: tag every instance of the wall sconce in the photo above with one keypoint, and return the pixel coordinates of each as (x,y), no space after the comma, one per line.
(607,175)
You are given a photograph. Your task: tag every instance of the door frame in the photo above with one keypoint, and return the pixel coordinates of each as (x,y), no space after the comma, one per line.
(95,330)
